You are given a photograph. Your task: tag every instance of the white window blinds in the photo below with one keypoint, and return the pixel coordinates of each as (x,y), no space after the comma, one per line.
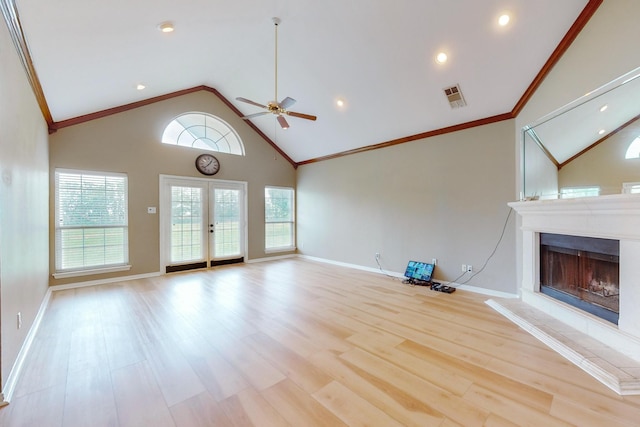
(279,216)
(91,219)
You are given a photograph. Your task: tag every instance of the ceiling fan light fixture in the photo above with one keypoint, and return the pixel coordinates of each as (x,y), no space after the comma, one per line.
(283,122)
(166,27)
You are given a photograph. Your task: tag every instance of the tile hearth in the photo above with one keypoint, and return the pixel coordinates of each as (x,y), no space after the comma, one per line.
(615,370)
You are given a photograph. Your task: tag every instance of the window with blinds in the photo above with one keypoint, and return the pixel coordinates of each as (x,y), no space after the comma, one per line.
(91,220)
(279,219)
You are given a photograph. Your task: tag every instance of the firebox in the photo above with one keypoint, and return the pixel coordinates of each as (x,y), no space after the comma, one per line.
(583,272)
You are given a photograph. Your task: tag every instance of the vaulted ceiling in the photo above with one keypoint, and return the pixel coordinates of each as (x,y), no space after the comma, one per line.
(377,57)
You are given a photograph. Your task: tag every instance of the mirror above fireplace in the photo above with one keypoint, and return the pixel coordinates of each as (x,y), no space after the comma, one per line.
(590,147)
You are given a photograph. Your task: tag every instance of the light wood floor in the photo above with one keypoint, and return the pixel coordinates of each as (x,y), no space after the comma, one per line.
(295,343)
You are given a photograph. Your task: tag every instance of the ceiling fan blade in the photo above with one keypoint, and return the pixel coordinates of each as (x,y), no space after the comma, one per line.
(283,122)
(251,116)
(300,115)
(248,101)
(287,102)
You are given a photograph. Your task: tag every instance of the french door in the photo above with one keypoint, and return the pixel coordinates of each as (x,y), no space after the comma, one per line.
(203,223)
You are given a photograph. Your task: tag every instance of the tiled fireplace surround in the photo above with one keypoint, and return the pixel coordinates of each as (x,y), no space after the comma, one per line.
(612,217)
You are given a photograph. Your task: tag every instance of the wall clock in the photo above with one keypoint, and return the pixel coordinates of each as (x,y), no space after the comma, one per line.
(207,164)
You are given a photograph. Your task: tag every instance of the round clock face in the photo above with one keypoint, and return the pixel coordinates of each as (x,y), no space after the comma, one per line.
(207,164)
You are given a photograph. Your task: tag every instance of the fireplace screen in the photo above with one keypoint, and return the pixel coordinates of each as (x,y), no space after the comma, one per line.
(583,272)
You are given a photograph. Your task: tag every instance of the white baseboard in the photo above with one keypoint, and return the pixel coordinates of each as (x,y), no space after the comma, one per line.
(469,288)
(14,374)
(484,291)
(354,266)
(270,258)
(103,281)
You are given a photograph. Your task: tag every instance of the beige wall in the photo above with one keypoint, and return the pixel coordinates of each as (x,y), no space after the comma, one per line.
(24,248)
(129,142)
(443,197)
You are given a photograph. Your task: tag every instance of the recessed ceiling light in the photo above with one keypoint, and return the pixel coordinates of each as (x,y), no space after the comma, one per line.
(340,103)
(604,107)
(140,86)
(504,19)
(601,131)
(166,27)
(441,58)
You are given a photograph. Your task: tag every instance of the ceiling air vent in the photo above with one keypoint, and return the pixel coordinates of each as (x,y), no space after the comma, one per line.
(454,95)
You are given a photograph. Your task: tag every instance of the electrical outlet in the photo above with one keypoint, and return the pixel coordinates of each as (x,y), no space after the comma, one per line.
(19,320)
(469,268)
(377,255)
(464,267)
(434,261)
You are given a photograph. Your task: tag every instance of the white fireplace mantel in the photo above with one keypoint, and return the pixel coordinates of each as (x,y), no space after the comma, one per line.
(611,217)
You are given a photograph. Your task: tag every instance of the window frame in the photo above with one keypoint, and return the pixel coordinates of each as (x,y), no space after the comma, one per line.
(292,222)
(631,187)
(62,272)
(578,192)
(200,131)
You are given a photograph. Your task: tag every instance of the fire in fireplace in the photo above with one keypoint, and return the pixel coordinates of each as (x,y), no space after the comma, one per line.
(583,272)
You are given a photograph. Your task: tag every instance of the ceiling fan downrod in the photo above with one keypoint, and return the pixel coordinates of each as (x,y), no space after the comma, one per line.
(276,22)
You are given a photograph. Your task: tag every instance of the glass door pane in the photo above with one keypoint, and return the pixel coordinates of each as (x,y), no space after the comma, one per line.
(187,232)
(228,215)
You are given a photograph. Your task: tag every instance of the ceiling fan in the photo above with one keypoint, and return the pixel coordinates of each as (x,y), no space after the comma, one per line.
(280,109)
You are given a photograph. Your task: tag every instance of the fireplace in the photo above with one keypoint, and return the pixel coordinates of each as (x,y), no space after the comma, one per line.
(583,272)
(613,217)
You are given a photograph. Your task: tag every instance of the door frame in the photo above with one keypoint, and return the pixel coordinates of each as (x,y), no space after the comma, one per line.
(165,214)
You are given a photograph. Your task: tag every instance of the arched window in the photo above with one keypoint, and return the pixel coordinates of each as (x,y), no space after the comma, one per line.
(204,131)
(633,152)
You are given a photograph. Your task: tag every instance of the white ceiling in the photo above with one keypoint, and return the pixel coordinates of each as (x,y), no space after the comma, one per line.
(378,56)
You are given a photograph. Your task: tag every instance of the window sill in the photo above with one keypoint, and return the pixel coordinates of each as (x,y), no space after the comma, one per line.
(283,249)
(78,273)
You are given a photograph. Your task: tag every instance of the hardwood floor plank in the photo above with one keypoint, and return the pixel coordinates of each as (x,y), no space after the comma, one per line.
(220,378)
(289,338)
(138,397)
(255,368)
(444,402)
(201,410)
(490,379)
(175,377)
(568,385)
(299,408)
(47,364)
(257,409)
(511,410)
(294,367)
(87,348)
(42,408)
(394,401)
(574,413)
(89,399)
(438,375)
(351,408)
